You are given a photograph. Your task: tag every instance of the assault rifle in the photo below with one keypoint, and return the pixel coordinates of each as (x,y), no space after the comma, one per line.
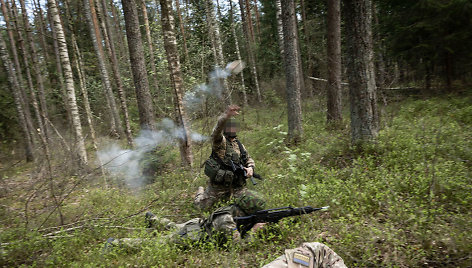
(244,224)
(239,170)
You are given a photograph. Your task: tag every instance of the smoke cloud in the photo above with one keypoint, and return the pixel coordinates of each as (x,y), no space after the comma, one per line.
(194,100)
(126,163)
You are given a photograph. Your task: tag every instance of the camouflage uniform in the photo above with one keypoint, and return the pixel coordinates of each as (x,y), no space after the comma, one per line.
(219,226)
(312,255)
(225,149)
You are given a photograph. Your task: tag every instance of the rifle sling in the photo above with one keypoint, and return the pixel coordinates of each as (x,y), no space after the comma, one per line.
(225,166)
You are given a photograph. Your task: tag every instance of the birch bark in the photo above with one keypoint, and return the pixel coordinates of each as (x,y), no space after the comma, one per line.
(170,44)
(69,81)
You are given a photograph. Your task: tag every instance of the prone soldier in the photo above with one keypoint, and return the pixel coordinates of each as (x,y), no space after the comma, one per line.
(220,226)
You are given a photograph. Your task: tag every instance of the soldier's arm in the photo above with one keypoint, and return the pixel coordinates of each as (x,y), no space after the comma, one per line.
(217,133)
(249,162)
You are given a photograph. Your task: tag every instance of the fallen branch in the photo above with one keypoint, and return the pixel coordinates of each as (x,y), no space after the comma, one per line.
(324,80)
(88,226)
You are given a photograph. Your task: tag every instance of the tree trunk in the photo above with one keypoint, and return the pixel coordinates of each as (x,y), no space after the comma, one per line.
(170,45)
(95,34)
(119,37)
(334,105)
(182,30)
(152,60)
(293,72)
(26,56)
(138,65)
(110,46)
(280,29)
(42,31)
(13,80)
(24,100)
(58,72)
(238,53)
(449,70)
(250,26)
(308,38)
(37,70)
(361,74)
(78,63)
(258,26)
(214,33)
(249,44)
(69,81)
(379,59)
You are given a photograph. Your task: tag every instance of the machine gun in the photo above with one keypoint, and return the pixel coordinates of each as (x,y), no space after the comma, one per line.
(244,224)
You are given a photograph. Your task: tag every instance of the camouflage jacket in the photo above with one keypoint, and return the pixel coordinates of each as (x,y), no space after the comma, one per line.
(218,226)
(310,255)
(219,142)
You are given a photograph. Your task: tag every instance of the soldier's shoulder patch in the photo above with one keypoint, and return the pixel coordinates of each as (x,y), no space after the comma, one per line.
(301,259)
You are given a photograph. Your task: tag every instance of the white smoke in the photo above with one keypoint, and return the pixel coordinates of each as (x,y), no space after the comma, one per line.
(195,99)
(125,163)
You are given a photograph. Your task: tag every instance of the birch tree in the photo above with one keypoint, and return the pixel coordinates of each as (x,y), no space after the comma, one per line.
(58,72)
(170,45)
(238,52)
(69,81)
(280,28)
(214,33)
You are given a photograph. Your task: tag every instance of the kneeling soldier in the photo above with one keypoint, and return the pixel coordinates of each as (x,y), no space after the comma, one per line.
(229,165)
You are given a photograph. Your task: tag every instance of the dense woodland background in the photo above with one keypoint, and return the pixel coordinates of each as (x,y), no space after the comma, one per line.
(361,105)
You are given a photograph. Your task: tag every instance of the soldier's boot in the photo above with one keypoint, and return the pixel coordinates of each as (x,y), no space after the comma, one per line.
(148,219)
(204,198)
(109,245)
(199,195)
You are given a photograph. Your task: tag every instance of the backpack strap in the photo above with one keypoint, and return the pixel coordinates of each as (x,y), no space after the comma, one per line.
(242,151)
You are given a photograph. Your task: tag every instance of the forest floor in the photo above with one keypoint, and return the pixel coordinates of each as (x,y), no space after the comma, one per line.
(404,201)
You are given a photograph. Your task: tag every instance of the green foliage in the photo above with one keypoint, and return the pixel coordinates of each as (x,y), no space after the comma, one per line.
(8,115)
(401,202)
(428,33)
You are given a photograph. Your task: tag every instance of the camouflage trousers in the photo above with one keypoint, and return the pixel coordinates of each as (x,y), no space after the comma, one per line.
(312,255)
(182,234)
(191,229)
(206,198)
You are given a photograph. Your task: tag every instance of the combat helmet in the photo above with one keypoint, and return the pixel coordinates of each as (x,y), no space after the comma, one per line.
(250,202)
